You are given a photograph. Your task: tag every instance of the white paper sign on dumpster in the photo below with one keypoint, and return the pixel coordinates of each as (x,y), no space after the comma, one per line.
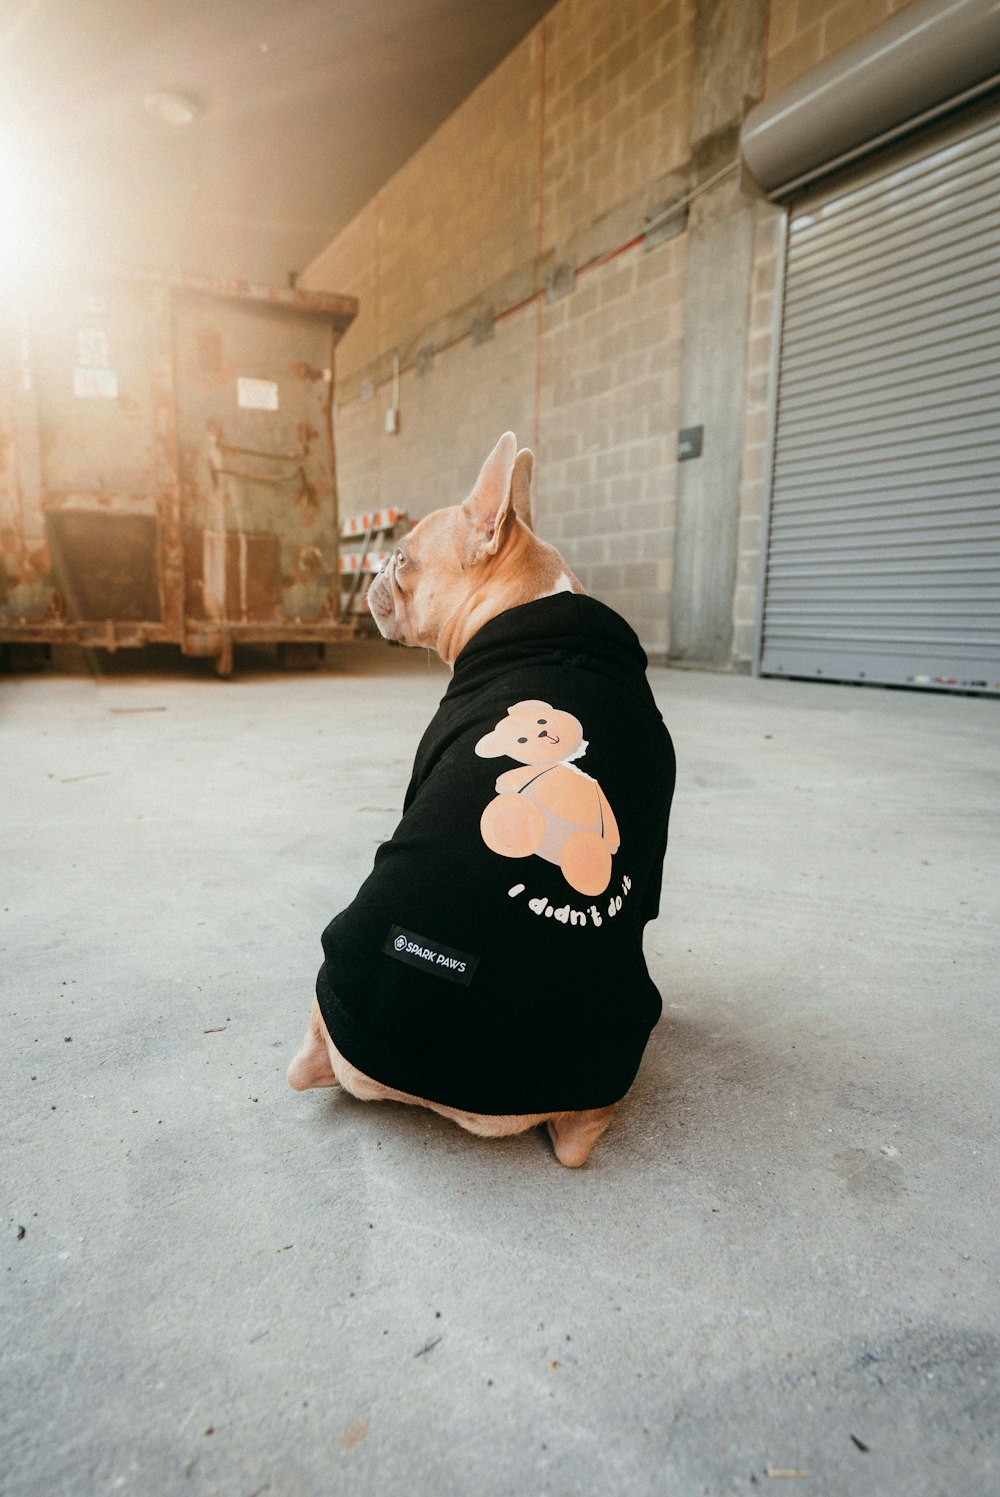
(257,394)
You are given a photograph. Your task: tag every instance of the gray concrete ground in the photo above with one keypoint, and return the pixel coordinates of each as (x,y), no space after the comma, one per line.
(783,1257)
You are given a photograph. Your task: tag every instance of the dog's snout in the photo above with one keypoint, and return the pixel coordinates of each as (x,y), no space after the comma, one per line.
(550,736)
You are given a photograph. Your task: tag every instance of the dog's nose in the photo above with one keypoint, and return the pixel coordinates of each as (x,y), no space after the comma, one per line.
(549,736)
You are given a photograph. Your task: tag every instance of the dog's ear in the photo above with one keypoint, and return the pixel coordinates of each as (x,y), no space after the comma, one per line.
(520,486)
(488,506)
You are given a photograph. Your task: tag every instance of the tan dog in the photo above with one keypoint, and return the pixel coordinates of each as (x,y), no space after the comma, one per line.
(456,570)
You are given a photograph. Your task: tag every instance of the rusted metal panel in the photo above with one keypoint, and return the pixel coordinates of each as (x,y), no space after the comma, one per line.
(166,476)
(252,400)
(105,565)
(26,589)
(233,575)
(167,466)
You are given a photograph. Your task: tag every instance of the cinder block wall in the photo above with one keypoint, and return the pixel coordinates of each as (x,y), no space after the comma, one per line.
(608,110)
(802,33)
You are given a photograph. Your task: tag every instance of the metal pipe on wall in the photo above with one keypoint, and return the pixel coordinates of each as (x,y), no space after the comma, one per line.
(929,58)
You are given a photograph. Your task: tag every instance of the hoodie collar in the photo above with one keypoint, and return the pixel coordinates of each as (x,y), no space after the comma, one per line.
(565,625)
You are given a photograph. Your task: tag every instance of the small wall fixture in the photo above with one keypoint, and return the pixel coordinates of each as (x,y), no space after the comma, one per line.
(392,414)
(560,281)
(483,327)
(690,442)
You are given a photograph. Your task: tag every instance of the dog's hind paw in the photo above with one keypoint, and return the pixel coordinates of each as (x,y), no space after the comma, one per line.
(574,1134)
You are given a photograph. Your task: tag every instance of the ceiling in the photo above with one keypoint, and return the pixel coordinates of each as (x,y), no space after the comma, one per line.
(303,109)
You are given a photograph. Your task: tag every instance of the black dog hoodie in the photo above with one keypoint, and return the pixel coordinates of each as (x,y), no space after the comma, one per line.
(485,981)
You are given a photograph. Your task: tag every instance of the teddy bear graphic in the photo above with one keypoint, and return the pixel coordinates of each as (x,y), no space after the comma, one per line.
(546,806)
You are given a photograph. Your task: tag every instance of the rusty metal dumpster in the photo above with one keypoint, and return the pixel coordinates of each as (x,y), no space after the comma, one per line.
(167,465)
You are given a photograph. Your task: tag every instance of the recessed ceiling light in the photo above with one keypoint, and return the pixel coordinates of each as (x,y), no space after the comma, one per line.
(170,107)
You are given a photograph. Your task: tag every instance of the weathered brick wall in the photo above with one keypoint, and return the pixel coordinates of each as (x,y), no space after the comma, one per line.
(585,129)
(617,105)
(353,259)
(559,155)
(461,213)
(607,360)
(590,110)
(803,33)
(609,399)
(450,417)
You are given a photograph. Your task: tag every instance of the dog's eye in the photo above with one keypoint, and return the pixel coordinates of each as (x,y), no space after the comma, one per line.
(522,740)
(542,721)
(400,559)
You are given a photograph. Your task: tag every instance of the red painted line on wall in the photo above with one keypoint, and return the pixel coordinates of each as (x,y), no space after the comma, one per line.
(600,260)
(378,342)
(452,343)
(543,42)
(517,307)
(536,298)
(540,235)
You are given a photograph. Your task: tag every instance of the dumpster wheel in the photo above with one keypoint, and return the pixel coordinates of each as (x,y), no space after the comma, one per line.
(300,655)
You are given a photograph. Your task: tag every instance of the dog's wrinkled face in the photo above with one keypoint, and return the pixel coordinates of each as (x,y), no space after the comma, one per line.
(460,566)
(423,580)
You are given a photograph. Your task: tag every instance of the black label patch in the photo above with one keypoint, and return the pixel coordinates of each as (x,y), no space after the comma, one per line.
(430,956)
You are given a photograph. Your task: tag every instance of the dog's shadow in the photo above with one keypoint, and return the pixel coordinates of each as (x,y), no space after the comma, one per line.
(707,1074)
(692,1047)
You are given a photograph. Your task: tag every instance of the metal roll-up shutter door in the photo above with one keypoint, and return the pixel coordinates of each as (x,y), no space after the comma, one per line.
(883,552)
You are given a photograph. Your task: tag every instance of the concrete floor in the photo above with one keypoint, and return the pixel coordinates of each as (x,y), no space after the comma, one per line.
(783,1256)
